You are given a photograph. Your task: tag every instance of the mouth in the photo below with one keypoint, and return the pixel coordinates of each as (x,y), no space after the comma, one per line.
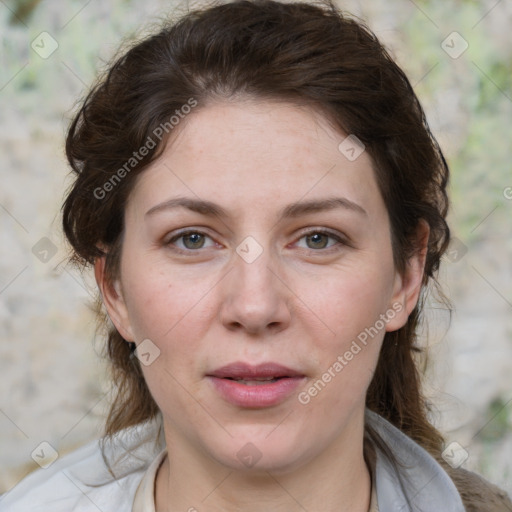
(258,386)
(254,375)
(256,382)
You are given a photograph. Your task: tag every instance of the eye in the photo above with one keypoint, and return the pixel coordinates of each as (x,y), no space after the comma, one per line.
(190,240)
(193,240)
(319,239)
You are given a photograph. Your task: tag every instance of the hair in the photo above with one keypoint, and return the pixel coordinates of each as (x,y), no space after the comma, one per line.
(312,55)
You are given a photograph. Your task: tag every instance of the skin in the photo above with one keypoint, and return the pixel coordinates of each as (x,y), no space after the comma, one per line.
(301,303)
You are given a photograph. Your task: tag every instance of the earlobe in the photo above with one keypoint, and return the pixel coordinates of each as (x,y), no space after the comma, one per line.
(113,300)
(407,286)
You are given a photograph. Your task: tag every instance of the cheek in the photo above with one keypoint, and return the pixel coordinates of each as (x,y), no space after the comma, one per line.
(158,301)
(172,313)
(175,313)
(348,301)
(347,332)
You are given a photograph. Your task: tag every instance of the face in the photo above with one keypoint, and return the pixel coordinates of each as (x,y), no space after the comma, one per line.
(255,249)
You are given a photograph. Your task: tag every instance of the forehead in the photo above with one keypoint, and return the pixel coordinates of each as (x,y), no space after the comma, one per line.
(253,153)
(229,131)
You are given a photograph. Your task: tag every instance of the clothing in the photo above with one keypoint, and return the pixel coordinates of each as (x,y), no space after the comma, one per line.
(81,481)
(144,500)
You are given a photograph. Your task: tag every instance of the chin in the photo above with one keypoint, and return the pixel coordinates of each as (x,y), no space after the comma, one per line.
(261,454)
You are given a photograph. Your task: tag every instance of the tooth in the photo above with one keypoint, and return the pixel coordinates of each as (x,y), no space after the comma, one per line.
(256,379)
(256,382)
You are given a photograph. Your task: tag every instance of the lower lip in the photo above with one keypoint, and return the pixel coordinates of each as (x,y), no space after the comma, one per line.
(258,396)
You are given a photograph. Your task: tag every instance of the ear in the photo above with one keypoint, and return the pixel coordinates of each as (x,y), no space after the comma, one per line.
(407,286)
(113,300)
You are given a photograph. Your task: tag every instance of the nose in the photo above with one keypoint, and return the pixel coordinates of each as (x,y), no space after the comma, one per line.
(255,298)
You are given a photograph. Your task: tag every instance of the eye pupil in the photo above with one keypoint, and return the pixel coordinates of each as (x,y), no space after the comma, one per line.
(196,240)
(317,241)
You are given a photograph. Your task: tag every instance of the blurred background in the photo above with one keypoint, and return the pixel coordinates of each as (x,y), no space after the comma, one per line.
(458,56)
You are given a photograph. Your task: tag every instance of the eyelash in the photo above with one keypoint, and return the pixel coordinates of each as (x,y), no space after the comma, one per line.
(340,240)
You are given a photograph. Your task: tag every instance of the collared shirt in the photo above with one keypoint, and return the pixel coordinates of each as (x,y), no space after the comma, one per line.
(374,507)
(144,500)
(82,481)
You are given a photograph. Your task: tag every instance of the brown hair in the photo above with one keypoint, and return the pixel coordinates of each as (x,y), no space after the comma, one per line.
(295,52)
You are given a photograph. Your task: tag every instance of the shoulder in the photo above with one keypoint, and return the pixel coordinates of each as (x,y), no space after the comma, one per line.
(76,482)
(407,477)
(94,477)
(429,479)
(478,494)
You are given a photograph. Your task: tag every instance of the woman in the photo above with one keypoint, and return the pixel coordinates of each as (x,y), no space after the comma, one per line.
(264,207)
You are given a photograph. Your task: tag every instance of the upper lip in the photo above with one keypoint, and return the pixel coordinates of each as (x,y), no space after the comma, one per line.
(241,370)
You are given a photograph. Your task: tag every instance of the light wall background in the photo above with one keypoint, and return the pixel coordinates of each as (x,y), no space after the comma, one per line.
(53,382)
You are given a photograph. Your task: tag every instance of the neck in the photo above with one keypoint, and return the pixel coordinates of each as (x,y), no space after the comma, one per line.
(336,480)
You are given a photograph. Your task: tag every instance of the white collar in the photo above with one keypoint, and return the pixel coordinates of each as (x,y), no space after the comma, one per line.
(421,485)
(144,500)
(80,481)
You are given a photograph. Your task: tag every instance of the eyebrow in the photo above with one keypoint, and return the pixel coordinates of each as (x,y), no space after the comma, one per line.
(292,210)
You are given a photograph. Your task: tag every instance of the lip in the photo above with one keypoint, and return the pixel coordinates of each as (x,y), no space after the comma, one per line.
(258,395)
(241,370)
